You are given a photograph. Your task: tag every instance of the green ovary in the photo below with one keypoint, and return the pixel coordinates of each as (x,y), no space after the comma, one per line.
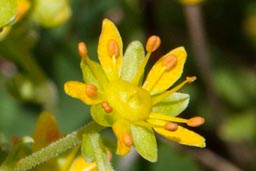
(129,102)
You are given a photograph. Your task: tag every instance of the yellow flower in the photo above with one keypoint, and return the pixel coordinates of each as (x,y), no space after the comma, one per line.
(79,164)
(23,7)
(191,2)
(132,107)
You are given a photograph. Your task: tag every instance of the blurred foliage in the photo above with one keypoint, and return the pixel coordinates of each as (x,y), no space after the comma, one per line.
(37,55)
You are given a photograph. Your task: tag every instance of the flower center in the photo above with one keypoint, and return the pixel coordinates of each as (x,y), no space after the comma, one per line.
(130,102)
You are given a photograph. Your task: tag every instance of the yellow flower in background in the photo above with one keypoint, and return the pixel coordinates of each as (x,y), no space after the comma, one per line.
(51,13)
(79,164)
(22,7)
(191,2)
(120,99)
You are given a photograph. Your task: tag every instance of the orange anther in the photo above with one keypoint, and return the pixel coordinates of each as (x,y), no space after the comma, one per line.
(170,126)
(107,108)
(128,140)
(191,79)
(195,121)
(113,49)
(169,62)
(153,43)
(82,49)
(91,90)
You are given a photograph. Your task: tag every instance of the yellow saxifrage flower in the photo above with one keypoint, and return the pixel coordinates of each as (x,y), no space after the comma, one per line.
(120,99)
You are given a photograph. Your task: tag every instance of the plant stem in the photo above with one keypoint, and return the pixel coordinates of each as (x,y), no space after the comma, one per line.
(202,57)
(56,148)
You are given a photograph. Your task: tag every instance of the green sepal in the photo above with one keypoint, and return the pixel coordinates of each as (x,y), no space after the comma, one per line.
(101,117)
(173,104)
(94,149)
(144,142)
(87,148)
(88,75)
(8,10)
(133,57)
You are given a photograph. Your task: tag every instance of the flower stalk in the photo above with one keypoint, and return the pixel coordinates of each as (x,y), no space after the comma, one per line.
(55,149)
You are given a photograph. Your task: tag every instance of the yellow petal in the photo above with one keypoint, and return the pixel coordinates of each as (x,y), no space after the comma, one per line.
(80,164)
(122,131)
(78,90)
(109,32)
(183,136)
(23,7)
(159,79)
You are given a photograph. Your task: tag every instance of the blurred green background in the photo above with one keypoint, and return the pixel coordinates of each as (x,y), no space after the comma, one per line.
(222,56)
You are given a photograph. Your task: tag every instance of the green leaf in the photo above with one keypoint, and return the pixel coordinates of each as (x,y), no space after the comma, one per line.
(144,142)
(173,104)
(133,57)
(101,117)
(8,10)
(88,75)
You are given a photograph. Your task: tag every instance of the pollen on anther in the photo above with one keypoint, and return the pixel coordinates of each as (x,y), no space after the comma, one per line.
(190,79)
(128,140)
(113,49)
(170,126)
(82,49)
(169,62)
(153,43)
(106,107)
(91,90)
(195,121)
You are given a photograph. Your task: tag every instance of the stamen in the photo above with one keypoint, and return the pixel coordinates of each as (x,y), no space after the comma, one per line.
(191,79)
(106,107)
(195,121)
(82,49)
(169,62)
(160,97)
(170,126)
(113,49)
(153,43)
(163,117)
(91,90)
(128,140)
(113,52)
(141,69)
